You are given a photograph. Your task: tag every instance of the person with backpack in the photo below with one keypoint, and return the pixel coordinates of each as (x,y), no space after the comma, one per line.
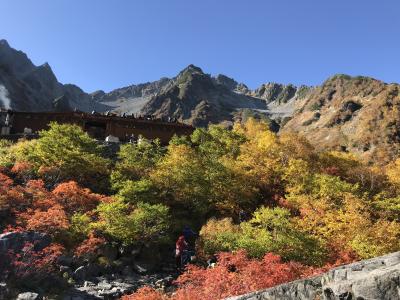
(190,237)
(181,247)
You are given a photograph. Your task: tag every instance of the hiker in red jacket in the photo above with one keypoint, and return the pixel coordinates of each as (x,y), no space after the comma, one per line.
(181,246)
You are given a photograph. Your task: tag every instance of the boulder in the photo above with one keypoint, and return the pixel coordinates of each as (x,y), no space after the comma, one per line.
(15,241)
(65,260)
(28,296)
(110,252)
(112,139)
(127,271)
(376,278)
(87,271)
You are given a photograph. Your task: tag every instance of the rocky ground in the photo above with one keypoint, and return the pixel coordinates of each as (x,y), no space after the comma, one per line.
(102,287)
(112,287)
(109,276)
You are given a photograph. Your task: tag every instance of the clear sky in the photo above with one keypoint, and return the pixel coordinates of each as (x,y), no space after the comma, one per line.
(105,44)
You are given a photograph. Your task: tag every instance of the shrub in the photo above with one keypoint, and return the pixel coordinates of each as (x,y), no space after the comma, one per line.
(134,192)
(144,223)
(66,148)
(270,230)
(234,274)
(31,267)
(75,198)
(135,161)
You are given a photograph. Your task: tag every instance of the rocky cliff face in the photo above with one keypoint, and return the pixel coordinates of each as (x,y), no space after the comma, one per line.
(377,278)
(26,87)
(198,99)
(192,96)
(357,114)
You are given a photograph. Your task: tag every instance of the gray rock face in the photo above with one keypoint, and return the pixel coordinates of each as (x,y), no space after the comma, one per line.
(377,278)
(191,96)
(26,87)
(271,92)
(197,98)
(15,241)
(130,99)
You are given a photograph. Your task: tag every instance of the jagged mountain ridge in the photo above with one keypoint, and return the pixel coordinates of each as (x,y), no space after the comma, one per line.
(195,98)
(27,87)
(357,114)
(192,96)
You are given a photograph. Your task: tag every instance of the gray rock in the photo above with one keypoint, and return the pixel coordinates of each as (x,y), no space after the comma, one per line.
(65,260)
(28,296)
(15,241)
(127,270)
(104,285)
(80,273)
(377,278)
(139,269)
(109,252)
(84,272)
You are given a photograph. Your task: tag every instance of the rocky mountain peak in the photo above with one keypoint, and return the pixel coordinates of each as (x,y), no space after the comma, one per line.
(273,91)
(191,69)
(4,43)
(13,61)
(226,81)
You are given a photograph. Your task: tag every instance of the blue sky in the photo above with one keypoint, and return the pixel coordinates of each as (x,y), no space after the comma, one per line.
(99,44)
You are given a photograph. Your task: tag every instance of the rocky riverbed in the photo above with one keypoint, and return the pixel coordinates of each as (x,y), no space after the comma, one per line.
(109,276)
(102,287)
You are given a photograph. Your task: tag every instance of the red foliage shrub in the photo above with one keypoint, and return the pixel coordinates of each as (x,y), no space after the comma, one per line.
(15,198)
(146,293)
(333,171)
(23,171)
(41,198)
(234,274)
(89,246)
(5,182)
(51,221)
(76,199)
(39,264)
(21,167)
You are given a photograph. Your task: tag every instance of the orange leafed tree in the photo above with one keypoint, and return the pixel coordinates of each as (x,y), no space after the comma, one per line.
(75,198)
(89,245)
(50,221)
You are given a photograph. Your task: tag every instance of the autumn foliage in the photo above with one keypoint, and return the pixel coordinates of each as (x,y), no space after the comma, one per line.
(269,206)
(234,274)
(30,264)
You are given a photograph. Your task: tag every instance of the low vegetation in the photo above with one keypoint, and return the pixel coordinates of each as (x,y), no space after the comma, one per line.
(270,208)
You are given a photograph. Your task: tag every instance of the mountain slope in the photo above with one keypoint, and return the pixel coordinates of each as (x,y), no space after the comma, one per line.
(198,99)
(192,96)
(26,87)
(357,114)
